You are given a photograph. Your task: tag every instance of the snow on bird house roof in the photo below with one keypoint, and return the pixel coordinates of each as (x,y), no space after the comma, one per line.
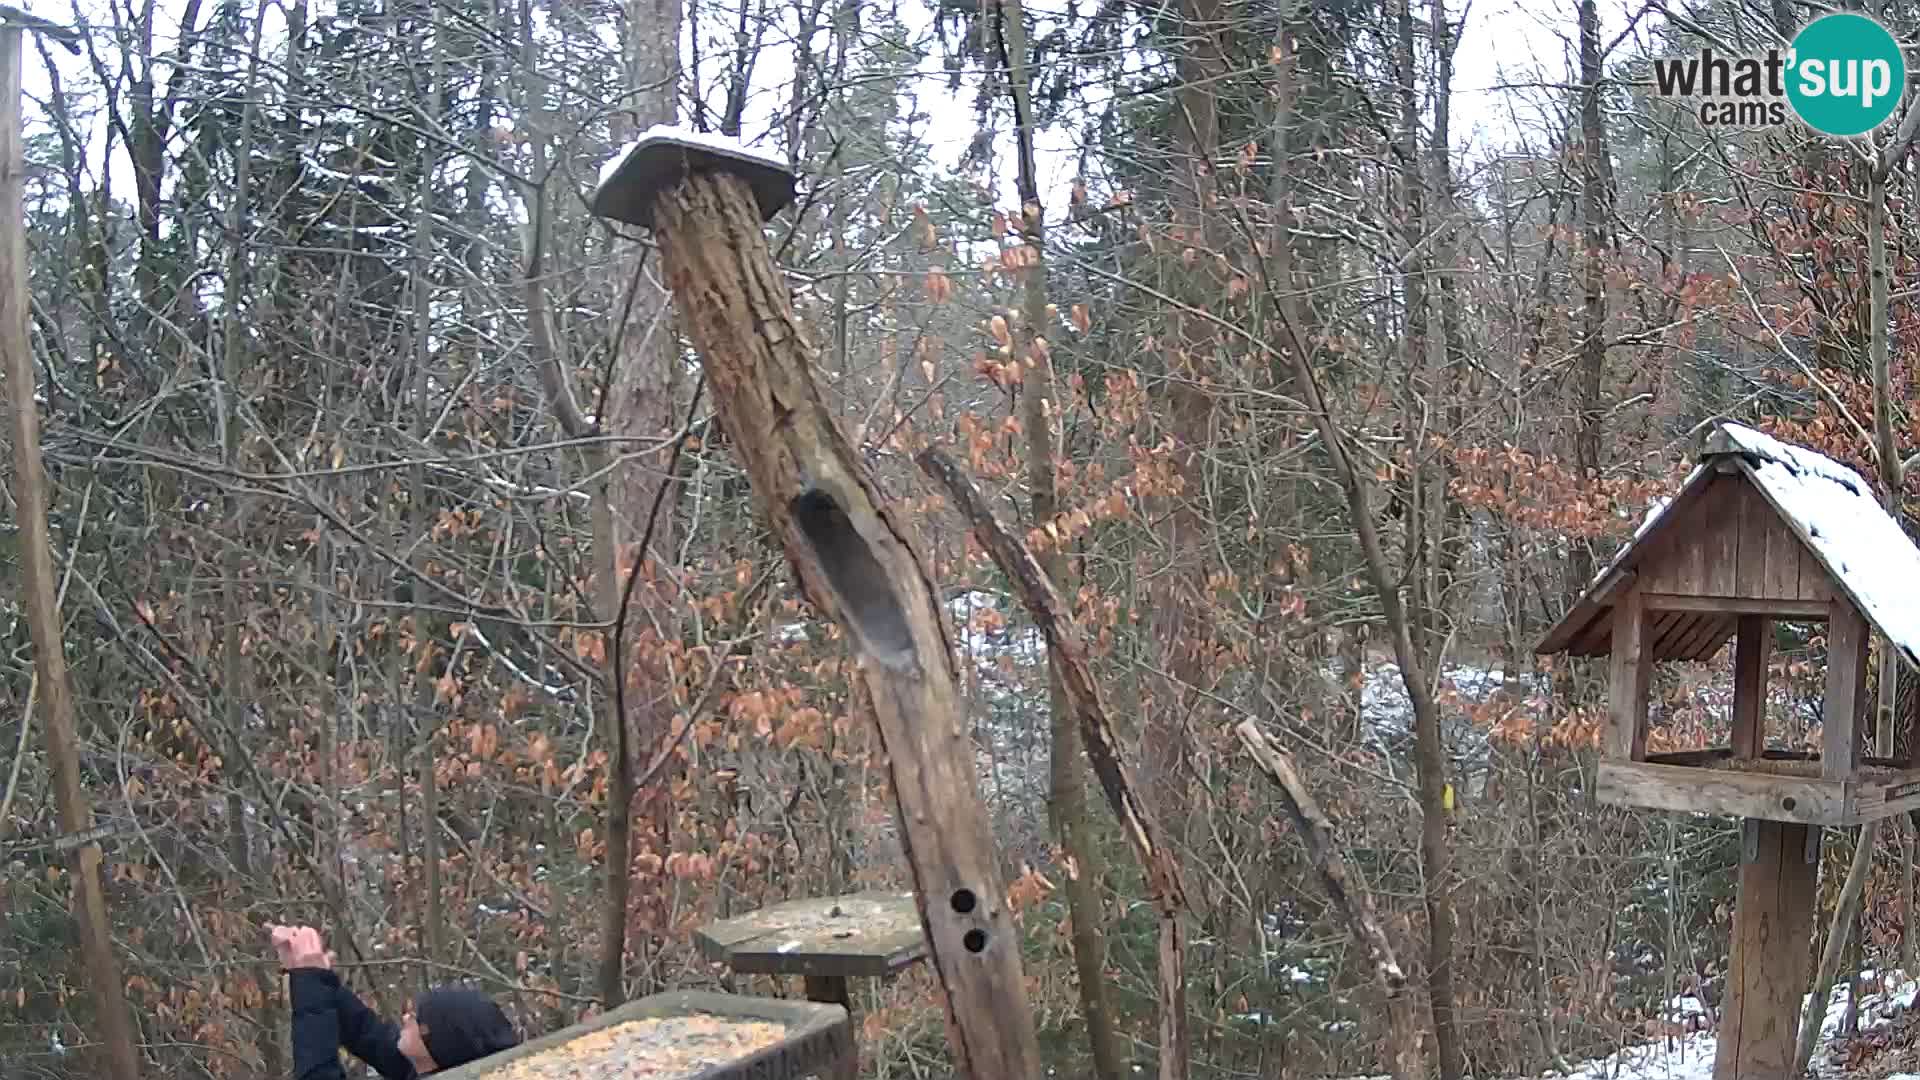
(1830,508)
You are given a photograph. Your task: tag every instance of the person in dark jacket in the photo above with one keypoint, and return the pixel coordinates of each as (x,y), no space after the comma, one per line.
(448,1026)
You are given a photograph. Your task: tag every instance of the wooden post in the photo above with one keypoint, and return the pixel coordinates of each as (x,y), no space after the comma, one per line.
(1767,972)
(854,556)
(1847,638)
(1630,678)
(36,557)
(833,990)
(1750,686)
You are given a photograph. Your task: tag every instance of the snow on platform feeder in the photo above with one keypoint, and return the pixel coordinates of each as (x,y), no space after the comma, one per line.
(680,1036)
(1760,532)
(652,164)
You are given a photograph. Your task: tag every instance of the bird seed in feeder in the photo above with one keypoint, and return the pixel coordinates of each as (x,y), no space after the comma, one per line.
(660,1048)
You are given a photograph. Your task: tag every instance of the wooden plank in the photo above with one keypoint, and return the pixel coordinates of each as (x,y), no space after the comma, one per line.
(1772,923)
(861,934)
(1629,675)
(1751,645)
(1756,524)
(1907,702)
(1692,758)
(1712,643)
(1811,610)
(1704,638)
(1720,539)
(1783,556)
(1665,631)
(1595,640)
(815,1038)
(1724,792)
(1846,698)
(1885,798)
(1814,582)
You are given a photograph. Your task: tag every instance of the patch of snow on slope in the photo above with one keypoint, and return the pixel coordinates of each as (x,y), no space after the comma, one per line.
(1691,1058)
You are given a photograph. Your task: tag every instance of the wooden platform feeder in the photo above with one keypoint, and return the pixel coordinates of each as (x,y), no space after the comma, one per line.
(825,941)
(686,1035)
(1760,533)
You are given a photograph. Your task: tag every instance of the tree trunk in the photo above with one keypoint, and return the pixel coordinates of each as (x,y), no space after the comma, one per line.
(1596,184)
(1068,802)
(121,1055)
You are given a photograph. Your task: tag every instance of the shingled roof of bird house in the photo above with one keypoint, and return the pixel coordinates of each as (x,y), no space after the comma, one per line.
(1778,527)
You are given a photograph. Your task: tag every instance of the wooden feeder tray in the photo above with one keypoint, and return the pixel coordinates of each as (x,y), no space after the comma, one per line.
(684,1035)
(857,935)
(664,156)
(1776,786)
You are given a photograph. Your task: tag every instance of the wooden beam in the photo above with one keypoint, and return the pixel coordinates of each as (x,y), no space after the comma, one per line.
(1847,639)
(114,1026)
(1772,923)
(1724,792)
(1630,671)
(1804,610)
(1750,648)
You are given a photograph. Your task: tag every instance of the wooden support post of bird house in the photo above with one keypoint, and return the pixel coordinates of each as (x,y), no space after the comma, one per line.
(1767,964)
(114,1026)
(854,556)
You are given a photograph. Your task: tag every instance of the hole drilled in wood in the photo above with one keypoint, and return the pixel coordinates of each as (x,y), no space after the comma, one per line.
(963,900)
(856,575)
(975,941)
(1788,803)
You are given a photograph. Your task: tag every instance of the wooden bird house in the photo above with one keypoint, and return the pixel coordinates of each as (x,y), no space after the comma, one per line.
(1761,532)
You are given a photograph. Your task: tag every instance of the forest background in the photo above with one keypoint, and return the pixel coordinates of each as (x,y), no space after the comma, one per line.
(356,419)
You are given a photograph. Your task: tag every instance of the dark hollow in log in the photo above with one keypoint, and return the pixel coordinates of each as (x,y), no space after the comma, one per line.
(858,577)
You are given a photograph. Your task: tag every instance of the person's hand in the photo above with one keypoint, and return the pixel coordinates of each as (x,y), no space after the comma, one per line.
(300,947)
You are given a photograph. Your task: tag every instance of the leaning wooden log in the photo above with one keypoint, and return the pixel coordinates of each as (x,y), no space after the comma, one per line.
(1069,658)
(705,200)
(1349,896)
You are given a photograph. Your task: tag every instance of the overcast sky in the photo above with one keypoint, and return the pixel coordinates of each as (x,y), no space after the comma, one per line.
(1508,49)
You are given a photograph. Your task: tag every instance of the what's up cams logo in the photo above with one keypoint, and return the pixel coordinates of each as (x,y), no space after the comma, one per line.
(1842,75)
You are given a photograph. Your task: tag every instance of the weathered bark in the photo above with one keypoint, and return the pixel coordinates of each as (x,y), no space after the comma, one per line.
(859,564)
(1349,895)
(1430,756)
(1068,801)
(1179,620)
(114,1025)
(1596,186)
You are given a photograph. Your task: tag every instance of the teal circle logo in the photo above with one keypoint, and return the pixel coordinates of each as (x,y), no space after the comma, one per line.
(1847,74)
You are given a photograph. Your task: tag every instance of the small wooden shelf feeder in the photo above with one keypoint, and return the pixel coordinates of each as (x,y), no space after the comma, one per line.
(683,1035)
(825,941)
(1761,532)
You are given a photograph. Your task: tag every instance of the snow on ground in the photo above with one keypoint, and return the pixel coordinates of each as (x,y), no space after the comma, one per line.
(1691,1057)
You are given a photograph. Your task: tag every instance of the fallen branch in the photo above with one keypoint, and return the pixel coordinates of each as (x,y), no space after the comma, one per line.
(1348,894)
(1069,658)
